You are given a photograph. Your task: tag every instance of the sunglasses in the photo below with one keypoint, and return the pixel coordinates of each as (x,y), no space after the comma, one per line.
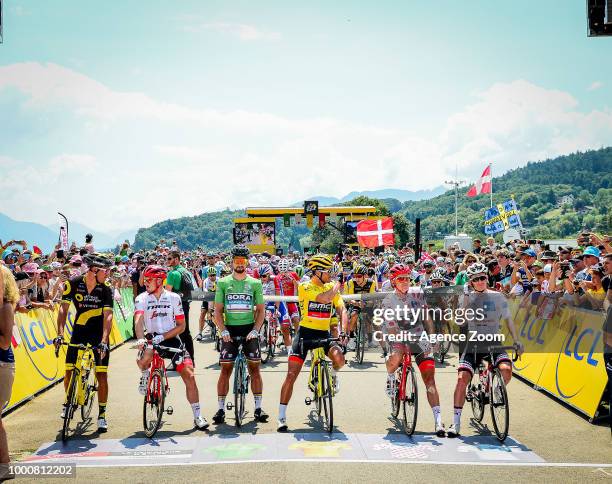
(436,282)
(240,260)
(402,279)
(359,276)
(479,279)
(170,259)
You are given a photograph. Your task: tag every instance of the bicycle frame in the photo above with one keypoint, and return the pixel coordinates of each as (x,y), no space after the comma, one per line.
(406,363)
(85,362)
(157,363)
(318,357)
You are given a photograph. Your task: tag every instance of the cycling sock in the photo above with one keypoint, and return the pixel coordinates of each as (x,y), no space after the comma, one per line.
(437,414)
(258,397)
(282,411)
(221,401)
(102,410)
(457,416)
(195,408)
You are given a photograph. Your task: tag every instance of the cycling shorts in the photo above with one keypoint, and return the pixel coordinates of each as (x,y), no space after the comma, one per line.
(423,359)
(299,352)
(292,308)
(469,360)
(94,341)
(229,349)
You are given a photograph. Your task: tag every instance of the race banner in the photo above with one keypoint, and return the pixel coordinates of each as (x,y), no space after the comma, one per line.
(63,232)
(502,217)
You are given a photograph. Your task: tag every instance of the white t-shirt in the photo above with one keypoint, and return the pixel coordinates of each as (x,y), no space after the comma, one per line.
(160,315)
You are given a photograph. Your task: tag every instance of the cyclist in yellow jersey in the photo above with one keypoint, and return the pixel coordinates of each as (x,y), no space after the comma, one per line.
(316,299)
(359,284)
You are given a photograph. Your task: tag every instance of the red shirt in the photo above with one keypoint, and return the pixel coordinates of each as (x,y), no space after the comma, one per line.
(285,281)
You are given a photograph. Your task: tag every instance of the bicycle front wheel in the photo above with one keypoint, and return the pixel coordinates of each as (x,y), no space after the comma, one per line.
(361,341)
(477,398)
(90,394)
(327,397)
(153,407)
(264,342)
(500,409)
(444,329)
(395,401)
(71,404)
(239,392)
(410,403)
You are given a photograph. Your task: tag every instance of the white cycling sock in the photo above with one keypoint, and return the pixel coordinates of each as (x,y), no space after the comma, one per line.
(221,401)
(195,408)
(457,416)
(282,411)
(437,415)
(258,397)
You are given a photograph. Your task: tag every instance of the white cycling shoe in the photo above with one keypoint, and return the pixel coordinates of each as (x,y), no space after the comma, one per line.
(440,431)
(453,431)
(102,425)
(200,423)
(282,425)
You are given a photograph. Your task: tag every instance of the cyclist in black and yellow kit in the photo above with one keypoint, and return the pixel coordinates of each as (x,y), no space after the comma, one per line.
(93,300)
(359,284)
(316,299)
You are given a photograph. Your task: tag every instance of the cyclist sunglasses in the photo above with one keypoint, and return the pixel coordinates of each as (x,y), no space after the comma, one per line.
(479,278)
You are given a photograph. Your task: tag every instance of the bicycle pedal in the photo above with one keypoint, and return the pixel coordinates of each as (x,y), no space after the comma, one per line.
(169,410)
(307,400)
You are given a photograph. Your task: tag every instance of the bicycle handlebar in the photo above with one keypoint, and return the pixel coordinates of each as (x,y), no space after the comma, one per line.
(513,347)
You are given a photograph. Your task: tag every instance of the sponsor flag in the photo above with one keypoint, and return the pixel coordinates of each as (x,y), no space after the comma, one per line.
(501,217)
(482,185)
(374,233)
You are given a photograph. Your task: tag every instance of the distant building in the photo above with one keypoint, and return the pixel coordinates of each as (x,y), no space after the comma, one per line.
(565,200)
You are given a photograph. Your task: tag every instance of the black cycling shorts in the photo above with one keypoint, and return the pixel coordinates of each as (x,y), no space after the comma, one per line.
(229,350)
(469,361)
(84,338)
(299,352)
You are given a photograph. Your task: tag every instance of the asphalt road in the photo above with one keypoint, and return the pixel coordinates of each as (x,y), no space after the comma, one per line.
(568,445)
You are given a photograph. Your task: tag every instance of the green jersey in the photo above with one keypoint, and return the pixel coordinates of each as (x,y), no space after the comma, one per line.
(239,299)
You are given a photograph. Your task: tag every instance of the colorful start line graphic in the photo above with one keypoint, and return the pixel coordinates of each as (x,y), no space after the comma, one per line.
(211,449)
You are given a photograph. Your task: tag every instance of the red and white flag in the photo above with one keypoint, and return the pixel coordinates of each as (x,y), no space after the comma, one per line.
(374,233)
(482,185)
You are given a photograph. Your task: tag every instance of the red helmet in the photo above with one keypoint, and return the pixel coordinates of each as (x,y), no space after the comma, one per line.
(399,270)
(155,272)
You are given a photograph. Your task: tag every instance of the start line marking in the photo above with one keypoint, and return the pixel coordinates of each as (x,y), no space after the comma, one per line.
(292,447)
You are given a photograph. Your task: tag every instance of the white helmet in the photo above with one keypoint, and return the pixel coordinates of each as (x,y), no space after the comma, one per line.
(283,265)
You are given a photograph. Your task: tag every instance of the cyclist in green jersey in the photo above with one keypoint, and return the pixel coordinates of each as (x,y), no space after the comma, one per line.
(239,312)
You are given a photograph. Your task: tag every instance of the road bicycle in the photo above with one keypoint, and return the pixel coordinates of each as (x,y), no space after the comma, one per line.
(405,394)
(82,387)
(361,339)
(488,387)
(320,381)
(154,404)
(268,336)
(241,382)
(442,328)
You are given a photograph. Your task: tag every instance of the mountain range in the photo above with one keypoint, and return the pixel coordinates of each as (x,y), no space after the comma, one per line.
(385,193)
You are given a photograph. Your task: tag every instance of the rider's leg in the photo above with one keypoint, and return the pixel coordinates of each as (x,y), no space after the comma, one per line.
(256,381)
(102,377)
(505,369)
(336,357)
(223,383)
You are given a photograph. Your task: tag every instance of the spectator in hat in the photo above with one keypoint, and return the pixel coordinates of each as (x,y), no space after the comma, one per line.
(477,246)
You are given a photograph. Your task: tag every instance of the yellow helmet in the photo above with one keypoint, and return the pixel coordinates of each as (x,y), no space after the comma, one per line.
(321,262)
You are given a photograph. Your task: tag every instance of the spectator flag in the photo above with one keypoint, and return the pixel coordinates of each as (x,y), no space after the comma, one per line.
(37,250)
(482,185)
(374,233)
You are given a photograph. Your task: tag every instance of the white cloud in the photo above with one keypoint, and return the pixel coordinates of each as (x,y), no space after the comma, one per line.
(595,85)
(238,158)
(243,32)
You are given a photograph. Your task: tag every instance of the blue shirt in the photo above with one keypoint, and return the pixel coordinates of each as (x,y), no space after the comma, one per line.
(7,356)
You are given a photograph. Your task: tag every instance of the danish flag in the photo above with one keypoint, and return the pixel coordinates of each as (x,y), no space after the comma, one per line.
(374,233)
(482,185)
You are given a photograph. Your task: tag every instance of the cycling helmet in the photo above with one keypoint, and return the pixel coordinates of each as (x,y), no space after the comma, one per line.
(283,265)
(211,271)
(336,269)
(383,268)
(265,270)
(437,275)
(409,259)
(391,259)
(475,269)
(428,263)
(240,250)
(96,260)
(361,269)
(225,270)
(299,270)
(346,266)
(320,262)
(155,272)
(399,270)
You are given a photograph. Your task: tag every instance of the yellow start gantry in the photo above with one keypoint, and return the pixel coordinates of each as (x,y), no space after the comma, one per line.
(257,230)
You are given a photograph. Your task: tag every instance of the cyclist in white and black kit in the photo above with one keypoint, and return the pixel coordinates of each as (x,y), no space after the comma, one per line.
(494,310)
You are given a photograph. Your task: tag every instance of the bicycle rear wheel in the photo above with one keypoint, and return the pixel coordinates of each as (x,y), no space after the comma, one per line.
(477,398)
(444,329)
(264,342)
(410,403)
(327,397)
(500,409)
(239,392)
(90,394)
(153,407)
(71,399)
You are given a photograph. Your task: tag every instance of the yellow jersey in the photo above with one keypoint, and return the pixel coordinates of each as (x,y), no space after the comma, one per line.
(316,315)
(352,287)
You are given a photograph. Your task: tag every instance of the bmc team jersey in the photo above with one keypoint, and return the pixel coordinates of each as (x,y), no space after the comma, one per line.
(89,307)
(316,315)
(160,315)
(239,299)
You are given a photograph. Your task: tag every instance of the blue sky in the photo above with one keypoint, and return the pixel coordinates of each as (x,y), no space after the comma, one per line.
(249,103)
